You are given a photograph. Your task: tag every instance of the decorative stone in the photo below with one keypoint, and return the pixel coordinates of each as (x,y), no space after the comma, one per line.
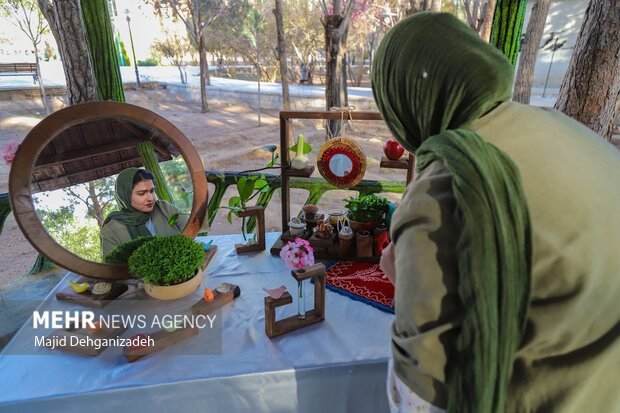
(102,288)
(223,288)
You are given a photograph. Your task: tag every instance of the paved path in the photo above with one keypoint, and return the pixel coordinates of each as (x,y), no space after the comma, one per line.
(54,76)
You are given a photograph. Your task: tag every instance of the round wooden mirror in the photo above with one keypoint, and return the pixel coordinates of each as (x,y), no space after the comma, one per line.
(83,147)
(341,162)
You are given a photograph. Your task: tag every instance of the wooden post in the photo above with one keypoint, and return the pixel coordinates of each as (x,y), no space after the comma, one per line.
(284,162)
(275,328)
(258,212)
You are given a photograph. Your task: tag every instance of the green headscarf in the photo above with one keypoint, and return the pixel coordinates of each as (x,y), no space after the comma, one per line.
(134,220)
(432,77)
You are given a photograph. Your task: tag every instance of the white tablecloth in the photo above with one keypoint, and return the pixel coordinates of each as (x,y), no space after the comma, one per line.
(338,365)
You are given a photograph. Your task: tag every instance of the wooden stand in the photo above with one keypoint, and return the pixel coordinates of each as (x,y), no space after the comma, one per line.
(209,254)
(259,213)
(332,253)
(85,346)
(407,163)
(288,237)
(165,339)
(162,339)
(306,172)
(275,328)
(322,244)
(87,298)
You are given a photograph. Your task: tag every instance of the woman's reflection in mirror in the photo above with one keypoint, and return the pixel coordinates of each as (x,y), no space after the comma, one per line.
(140,212)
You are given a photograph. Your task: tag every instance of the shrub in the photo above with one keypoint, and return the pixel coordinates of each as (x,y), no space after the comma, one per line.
(167,260)
(121,254)
(151,61)
(366,208)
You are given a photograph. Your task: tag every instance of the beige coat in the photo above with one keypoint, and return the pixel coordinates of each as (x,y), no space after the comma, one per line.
(569,361)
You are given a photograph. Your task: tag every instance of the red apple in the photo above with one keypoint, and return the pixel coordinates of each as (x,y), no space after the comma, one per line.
(393,150)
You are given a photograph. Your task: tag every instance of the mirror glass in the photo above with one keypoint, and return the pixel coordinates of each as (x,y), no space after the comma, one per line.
(73,179)
(341,162)
(340,165)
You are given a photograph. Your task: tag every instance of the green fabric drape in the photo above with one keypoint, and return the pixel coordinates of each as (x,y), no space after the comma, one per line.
(134,220)
(494,261)
(433,73)
(432,77)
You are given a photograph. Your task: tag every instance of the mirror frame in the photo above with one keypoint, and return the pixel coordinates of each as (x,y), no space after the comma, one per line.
(42,134)
(347,146)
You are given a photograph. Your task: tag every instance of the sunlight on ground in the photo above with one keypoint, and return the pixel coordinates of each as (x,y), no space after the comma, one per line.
(20,121)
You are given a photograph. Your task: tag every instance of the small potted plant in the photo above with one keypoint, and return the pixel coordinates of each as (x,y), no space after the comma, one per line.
(170,266)
(122,252)
(366,212)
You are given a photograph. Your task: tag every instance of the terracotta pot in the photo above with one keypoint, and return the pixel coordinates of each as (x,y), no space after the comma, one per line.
(174,292)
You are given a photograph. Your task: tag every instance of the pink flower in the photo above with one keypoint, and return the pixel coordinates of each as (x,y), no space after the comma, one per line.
(297,254)
(8,151)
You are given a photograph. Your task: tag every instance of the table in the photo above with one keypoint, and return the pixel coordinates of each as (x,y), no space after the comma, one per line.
(337,365)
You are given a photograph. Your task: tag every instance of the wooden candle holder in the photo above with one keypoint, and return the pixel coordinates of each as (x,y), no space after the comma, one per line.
(163,338)
(275,328)
(258,212)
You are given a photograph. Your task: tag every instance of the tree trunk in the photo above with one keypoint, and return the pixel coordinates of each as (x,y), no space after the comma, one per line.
(360,73)
(529,52)
(281,48)
(183,81)
(508,26)
(488,20)
(333,69)
(96,211)
(591,87)
(259,74)
(65,21)
(436,5)
(343,80)
(41,85)
(101,44)
(203,74)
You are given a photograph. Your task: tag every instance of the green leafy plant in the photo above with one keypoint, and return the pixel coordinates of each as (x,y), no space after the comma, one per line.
(167,260)
(366,208)
(248,188)
(122,252)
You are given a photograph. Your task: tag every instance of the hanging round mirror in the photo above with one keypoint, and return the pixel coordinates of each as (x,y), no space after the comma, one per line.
(62,182)
(341,162)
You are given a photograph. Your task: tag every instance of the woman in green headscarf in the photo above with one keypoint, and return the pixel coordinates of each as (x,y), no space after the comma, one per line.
(140,213)
(504,253)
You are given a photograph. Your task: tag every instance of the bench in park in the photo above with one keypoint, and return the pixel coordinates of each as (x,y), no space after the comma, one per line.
(19,69)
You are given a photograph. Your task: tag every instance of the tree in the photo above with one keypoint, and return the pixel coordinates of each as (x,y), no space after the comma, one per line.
(479,16)
(126,60)
(305,34)
(488,20)
(174,48)
(245,29)
(96,20)
(590,90)
(529,51)
(97,196)
(196,15)
(336,24)
(281,49)
(65,21)
(507,27)
(26,16)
